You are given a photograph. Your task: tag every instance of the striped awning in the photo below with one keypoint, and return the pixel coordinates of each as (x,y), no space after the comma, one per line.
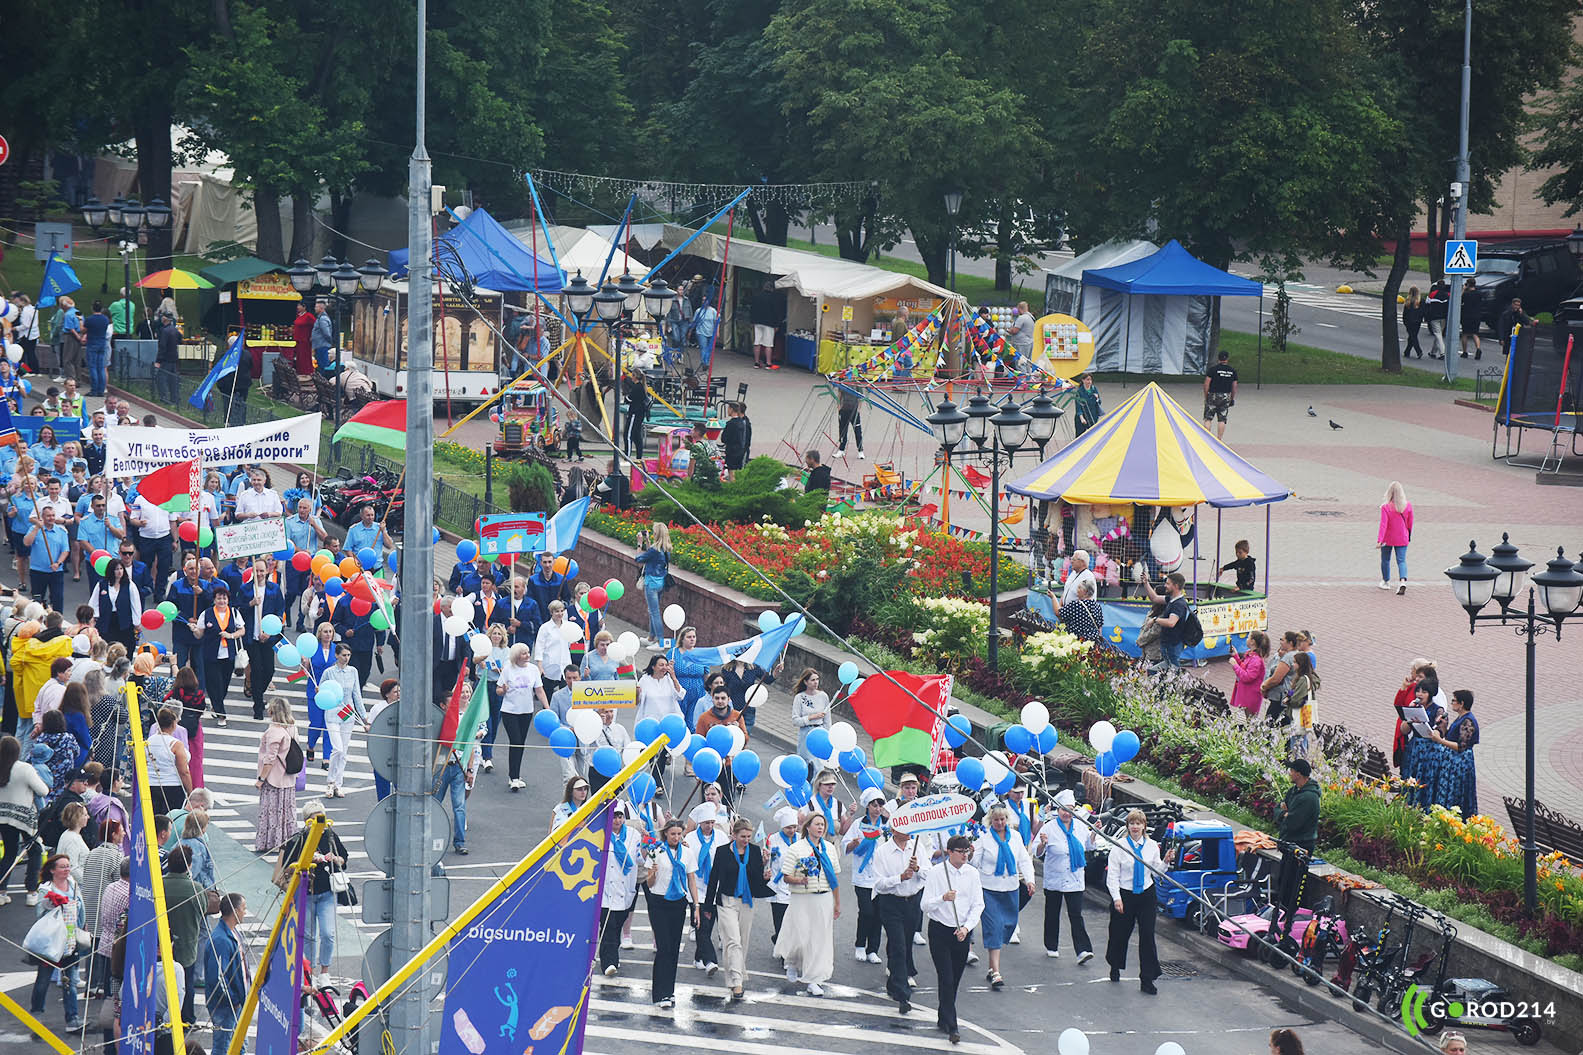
(1152,452)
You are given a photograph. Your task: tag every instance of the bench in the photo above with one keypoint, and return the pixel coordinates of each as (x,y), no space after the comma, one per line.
(1552,830)
(289,388)
(1337,743)
(324,388)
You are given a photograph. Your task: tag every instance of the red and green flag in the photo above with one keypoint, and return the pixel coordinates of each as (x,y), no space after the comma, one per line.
(172,487)
(900,715)
(459,728)
(383,423)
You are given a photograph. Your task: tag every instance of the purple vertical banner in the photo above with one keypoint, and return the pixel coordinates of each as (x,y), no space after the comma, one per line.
(279,1012)
(517,978)
(139,998)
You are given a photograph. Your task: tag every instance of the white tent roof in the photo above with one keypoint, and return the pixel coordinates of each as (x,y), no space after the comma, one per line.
(1106,254)
(576,249)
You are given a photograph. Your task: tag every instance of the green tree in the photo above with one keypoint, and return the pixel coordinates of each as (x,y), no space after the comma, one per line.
(1559,127)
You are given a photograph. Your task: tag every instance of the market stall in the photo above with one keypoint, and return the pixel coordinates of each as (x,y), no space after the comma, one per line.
(1129,491)
(255,293)
(1063,285)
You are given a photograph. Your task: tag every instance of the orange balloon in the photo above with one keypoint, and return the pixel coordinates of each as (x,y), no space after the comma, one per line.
(325,569)
(562,565)
(349,567)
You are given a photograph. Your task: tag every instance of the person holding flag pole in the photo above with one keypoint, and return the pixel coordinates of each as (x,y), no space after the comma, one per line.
(48,547)
(461,733)
(953,901)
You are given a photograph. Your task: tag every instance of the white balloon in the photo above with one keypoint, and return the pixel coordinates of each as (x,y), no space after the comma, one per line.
(1072,1042)
(461,604)
(738,740)
(585,723)
(616,652)
(757,696)
(630,753)
(570,632)
(480,645)
(13,352)
(1035,716)
(454,625)
(675,617)
(995,769)
(628,642)
(1170,1047)
(1100,735)
(775,771)
(842,737)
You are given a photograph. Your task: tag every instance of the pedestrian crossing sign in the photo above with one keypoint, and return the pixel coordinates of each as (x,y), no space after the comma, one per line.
(1462,257)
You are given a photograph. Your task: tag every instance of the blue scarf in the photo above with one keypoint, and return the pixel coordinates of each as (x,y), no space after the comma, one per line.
(865,852)
(623,857)
(1137,863)
(678,889)
(1075,857)
(1005,860)
(706,856)
(775,851)
(827,807)
(824,863)
(1024,822)
(744,892)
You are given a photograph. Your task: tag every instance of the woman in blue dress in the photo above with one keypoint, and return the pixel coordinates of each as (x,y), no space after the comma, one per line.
(1456,785)
(1424,757)
(302,489)
(691,667)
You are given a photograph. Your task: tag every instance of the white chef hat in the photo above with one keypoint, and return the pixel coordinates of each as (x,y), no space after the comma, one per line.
(704,811)
(785,817)
(872,795)
(1066,800)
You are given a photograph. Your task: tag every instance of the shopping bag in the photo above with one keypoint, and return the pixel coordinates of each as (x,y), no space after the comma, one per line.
(47,938)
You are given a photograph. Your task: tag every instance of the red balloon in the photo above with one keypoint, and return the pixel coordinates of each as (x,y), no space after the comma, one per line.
(93,558)
(153,619)
(188,531)
(247,573)
(361,607)
(597,597)
(302,560)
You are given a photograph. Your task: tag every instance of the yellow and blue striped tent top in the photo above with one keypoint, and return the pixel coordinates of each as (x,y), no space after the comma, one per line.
(1152,452)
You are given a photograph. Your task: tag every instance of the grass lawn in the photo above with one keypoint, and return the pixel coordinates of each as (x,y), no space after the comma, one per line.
(100,273)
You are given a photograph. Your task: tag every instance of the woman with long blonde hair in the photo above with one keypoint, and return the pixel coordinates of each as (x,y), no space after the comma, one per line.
(1396,531)
(656,561)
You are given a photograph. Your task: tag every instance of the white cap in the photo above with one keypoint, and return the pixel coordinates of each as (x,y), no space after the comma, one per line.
(80,645)
(1066,800)
(872,795)
(704,812)
(785,817)
(1081,553)
(619,807)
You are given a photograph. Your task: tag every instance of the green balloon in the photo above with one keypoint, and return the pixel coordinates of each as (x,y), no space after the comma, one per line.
(614,590)
(100,565)
(489,558)
(167,609)
(379,621)
(205,538)
(582,603)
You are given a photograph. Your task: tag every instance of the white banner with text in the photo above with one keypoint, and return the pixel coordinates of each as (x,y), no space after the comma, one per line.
(132,450)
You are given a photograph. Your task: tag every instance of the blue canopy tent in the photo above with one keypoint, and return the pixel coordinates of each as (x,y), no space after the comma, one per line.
(1170,291)
(492,256)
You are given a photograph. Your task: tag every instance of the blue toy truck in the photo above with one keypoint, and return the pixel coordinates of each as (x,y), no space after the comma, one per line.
(1205,863)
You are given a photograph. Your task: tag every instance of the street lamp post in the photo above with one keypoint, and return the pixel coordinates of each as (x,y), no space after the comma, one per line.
(615,305)
(1007,429)
(953,205)
(130,216)
(1558,590)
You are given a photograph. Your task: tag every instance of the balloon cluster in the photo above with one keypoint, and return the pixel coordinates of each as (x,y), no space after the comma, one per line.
(1114,748)
(189,531)
(1034,734)
(596,598)
(771,620)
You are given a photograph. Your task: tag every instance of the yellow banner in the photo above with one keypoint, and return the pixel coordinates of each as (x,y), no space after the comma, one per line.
(272,285)
(605,694)
(1225,618)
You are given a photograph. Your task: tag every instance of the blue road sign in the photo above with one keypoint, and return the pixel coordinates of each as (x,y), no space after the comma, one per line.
(1462,257)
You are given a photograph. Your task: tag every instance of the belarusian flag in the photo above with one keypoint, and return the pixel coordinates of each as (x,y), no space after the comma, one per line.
(902,727)
(461,729)
(171,487)
(384,423)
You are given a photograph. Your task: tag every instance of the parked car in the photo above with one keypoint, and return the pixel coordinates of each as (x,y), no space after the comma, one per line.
(1540,271)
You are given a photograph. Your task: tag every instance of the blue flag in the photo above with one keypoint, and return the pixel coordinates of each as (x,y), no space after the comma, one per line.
(59,279)
(228,363)
(566,526)
(517,978)
(279,998)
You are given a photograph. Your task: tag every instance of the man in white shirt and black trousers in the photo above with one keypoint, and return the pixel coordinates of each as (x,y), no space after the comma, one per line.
(898,892)
(953,900)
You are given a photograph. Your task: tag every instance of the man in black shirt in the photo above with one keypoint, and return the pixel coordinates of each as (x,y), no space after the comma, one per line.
(1512,317)
(167,361)
(818,475)
(1220,393)
(766,313)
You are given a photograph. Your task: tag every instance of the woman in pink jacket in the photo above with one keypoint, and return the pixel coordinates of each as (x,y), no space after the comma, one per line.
(1396,530)
(1250,670)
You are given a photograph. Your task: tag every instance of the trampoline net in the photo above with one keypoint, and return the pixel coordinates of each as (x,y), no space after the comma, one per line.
(1542,382)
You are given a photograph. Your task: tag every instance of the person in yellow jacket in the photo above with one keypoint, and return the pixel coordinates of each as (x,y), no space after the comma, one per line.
(34,647)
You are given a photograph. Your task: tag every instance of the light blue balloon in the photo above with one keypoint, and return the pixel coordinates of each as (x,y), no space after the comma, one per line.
(871,778)
(674,728)
(970,771)
(745,766)
(798,795)
(794,770)
(466,550)
(1019,740)
(1125,746)
(719,738)
(330,696)
(545,723)
(563,742)
(854,760)
(846,673)
(271,625)
(799,624)
(768,621)
(819,744)
(306,644)
(1106,765)
(288,656)
(957,730)
(645,731)
(706,764)
(606,761)
(641,788)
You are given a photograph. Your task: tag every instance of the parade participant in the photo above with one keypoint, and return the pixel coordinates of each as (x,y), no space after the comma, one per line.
(96,529)
(357,634)
(700,846)
(776,844)
(22,511)
(338,720)
(550,650)
(520,685)
(593,620)
(807,939)
(1130,879)
(825,804)
(258,500)
(953,900)
(1004,865)
(736,878)
(672,896)
(260,597)
(117,606)
(389,694)
(448,653)
(611,734)
(810,711)
(572,799)
(152,537)
(546,585)
(599,665)
(740,678)
(491,668)
(620,892)
(862,841)
(305,533)
(561,704)
(690,668)
(219,632)
(321,659)
(192,598)
(524,617)
(1064,846)
(301,488)
(368,533)
(48,547)
(898,901)
(490,609)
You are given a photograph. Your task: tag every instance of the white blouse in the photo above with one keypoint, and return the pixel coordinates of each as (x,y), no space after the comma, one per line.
(657,698)
(1052,847)
(662,870)
(986,855)
(1118,873)
(621,888)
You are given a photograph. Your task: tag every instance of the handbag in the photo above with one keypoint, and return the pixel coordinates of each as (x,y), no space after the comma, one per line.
(211,902)
(341,886)
(47,938)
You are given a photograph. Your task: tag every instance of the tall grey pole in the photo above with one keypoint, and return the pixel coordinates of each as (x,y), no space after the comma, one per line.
(410,1020)
(1464,176)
